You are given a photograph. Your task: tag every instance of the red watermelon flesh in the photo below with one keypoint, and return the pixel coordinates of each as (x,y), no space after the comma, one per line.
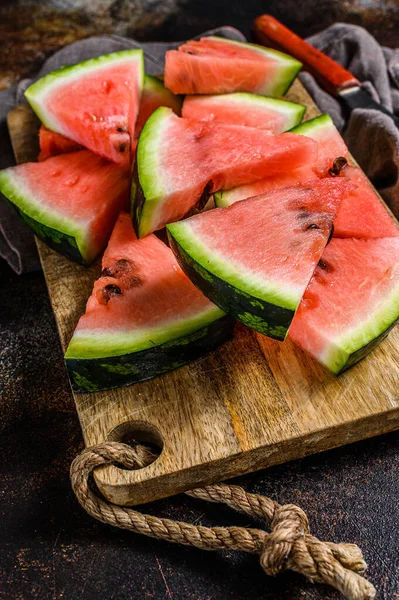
(177,159)
(216,65)
(226,198)
(154,95)
(52,144)
(94,103)
(361,214)
(329,142)
(351,302)
(154,289)
(71,201)
(250,110)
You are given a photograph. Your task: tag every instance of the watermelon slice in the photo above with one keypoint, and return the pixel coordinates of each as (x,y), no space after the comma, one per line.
(244,109)
(144,316)
(226,198)
(70,201)
(351,302)
(180,162)
(52,144)
(94,103)
(255,258)
(155,95)
(361,214)
(215,65)
(329,142)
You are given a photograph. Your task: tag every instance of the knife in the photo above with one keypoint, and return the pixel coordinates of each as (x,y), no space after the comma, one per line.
(332,77)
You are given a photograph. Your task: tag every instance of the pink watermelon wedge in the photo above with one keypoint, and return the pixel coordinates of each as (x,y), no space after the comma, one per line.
(144,316)
(361,214)
(94,103)
(255,258)
(226,198)
(70,201)
(52,144)
(351,303)
(215,65)
(250,110)
(180,162)
(154,95)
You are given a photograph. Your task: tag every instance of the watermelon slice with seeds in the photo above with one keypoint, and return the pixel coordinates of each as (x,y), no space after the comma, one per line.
(215,65)
(70,201)
(255,258)
(52,144)
(94,103)
(351,303)
(242,108)
(180,162)
(154,95)
(361,214)
(144,316)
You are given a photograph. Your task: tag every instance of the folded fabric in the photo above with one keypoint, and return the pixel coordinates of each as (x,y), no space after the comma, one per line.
(371,136)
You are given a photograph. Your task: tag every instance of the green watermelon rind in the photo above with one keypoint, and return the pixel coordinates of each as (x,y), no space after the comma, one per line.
(97,374)
(147,181)
(282,82)
(314,125)
(231,293)
(155,85)
(36,93)
(61,234)
(294,112)
(352,346)
(95,345)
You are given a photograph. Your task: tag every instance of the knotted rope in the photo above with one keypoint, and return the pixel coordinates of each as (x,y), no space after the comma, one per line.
(289,545)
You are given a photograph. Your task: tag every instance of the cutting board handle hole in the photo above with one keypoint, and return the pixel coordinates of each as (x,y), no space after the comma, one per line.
(139,432)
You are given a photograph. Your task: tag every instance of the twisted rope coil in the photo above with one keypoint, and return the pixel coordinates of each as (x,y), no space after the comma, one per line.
(289,545)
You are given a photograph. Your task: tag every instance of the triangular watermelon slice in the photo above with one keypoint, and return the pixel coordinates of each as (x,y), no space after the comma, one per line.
(361,214)
(70,201)
(351,303)
(241,108)
(94,103)
(144,316)
(255,258)
(215,65)
(180,162)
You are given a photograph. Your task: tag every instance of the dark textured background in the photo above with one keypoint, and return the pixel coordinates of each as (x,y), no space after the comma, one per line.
(50,549)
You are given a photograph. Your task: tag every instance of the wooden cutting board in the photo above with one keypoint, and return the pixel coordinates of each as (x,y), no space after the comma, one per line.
(252,403)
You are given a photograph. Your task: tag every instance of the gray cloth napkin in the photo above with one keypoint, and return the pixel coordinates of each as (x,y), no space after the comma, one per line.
(371,136)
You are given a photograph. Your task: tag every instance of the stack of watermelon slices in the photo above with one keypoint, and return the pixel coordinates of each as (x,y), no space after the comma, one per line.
(298,243)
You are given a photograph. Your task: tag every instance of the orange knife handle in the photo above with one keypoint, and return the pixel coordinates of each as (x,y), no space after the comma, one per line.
(330,74)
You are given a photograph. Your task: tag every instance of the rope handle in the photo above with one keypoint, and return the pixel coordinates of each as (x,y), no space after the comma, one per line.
(289,545)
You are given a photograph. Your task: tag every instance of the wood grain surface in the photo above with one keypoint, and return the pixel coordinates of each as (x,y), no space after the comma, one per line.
(252,403)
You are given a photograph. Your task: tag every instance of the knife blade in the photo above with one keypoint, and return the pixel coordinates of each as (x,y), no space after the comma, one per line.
(334,78)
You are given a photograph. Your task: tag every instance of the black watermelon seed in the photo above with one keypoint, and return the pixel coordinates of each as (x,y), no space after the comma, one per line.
(322,264)
(331,235)
(109,291)
(122,147)
(312,226)
(339,165)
